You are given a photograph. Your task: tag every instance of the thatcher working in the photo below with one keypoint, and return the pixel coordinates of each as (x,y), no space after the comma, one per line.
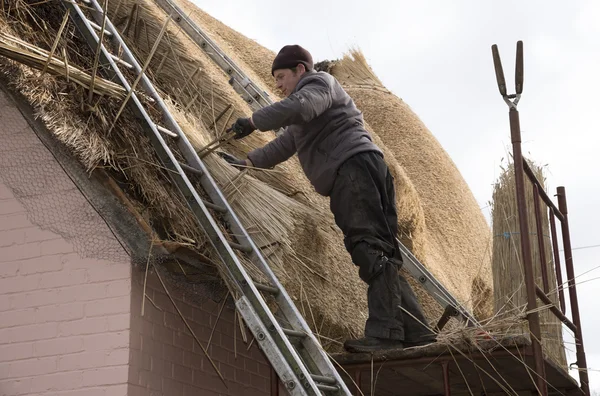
(326,130)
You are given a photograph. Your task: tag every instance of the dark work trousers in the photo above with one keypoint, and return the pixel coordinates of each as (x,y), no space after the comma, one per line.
(363,202)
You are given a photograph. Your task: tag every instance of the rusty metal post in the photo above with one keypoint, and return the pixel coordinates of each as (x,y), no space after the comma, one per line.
(357,381)
(540,237)
(446,370)
(581,360)
(274,383)
(559,279)
(533,316)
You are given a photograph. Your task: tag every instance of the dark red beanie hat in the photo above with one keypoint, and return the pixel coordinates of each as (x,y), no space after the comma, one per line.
(290,56)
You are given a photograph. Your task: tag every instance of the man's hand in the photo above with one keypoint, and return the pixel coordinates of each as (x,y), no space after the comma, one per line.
(243,127)
(234,161)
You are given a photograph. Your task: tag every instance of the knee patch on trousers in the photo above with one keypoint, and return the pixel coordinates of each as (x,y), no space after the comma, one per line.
(371,262)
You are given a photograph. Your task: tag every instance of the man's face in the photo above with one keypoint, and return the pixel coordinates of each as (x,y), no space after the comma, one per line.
(287,80)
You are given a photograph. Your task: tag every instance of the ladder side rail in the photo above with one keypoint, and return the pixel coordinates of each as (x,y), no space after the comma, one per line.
(418,270)
(264,340)
(192,157)
(246,95)
(433,286)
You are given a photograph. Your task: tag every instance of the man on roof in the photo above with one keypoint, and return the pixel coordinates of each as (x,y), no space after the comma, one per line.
(326,130)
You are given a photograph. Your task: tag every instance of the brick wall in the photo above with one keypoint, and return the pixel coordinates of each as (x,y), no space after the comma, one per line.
(64,320)
(166,359)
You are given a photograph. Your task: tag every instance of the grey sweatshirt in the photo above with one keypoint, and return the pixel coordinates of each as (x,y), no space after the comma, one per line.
(323,126)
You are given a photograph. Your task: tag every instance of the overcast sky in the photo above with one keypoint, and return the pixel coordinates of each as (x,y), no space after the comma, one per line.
(436,56)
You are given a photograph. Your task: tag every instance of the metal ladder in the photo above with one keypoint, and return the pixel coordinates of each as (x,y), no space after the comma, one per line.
(257,99)
(294,352)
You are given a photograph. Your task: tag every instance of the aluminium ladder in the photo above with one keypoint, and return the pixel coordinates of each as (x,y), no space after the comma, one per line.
(257,99)
(293,350)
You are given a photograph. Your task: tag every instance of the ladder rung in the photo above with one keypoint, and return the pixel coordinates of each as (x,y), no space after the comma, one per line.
(323,379)
(267,288)
(293,333)
(328,388)
(99,28)
(166,131)
(190,169)
(213,206)
(245,249)
(121,61)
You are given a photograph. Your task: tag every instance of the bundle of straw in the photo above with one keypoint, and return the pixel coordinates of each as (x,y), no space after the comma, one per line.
(510,298)
(23,52)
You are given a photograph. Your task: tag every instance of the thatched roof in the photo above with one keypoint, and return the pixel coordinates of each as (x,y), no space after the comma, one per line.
(279,208)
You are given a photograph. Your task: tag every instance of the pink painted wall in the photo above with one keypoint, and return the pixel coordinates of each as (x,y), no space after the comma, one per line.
(64,320)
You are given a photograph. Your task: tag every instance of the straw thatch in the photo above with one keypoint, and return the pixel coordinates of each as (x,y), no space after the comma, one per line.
(510,296)
(457,236)
(16,49)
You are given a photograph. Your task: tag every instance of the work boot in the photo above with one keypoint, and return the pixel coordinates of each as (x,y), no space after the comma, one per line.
(372,344)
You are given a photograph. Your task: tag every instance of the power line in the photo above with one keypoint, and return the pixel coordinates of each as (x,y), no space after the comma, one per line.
(583,247)
(586,247)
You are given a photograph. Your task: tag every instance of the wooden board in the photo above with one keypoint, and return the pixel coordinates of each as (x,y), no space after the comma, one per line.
(490,368)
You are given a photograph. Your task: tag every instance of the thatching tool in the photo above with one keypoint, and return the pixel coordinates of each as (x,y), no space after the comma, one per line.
(303,366)
(221,114)
(215,144)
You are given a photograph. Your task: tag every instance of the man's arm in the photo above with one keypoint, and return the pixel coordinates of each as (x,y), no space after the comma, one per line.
(273,153)
(299,108)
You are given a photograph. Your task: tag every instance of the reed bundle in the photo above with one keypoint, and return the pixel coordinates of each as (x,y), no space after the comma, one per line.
(22,52)
(507,263)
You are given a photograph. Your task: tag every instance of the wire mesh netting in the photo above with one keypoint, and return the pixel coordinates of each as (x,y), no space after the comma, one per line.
(40,183)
